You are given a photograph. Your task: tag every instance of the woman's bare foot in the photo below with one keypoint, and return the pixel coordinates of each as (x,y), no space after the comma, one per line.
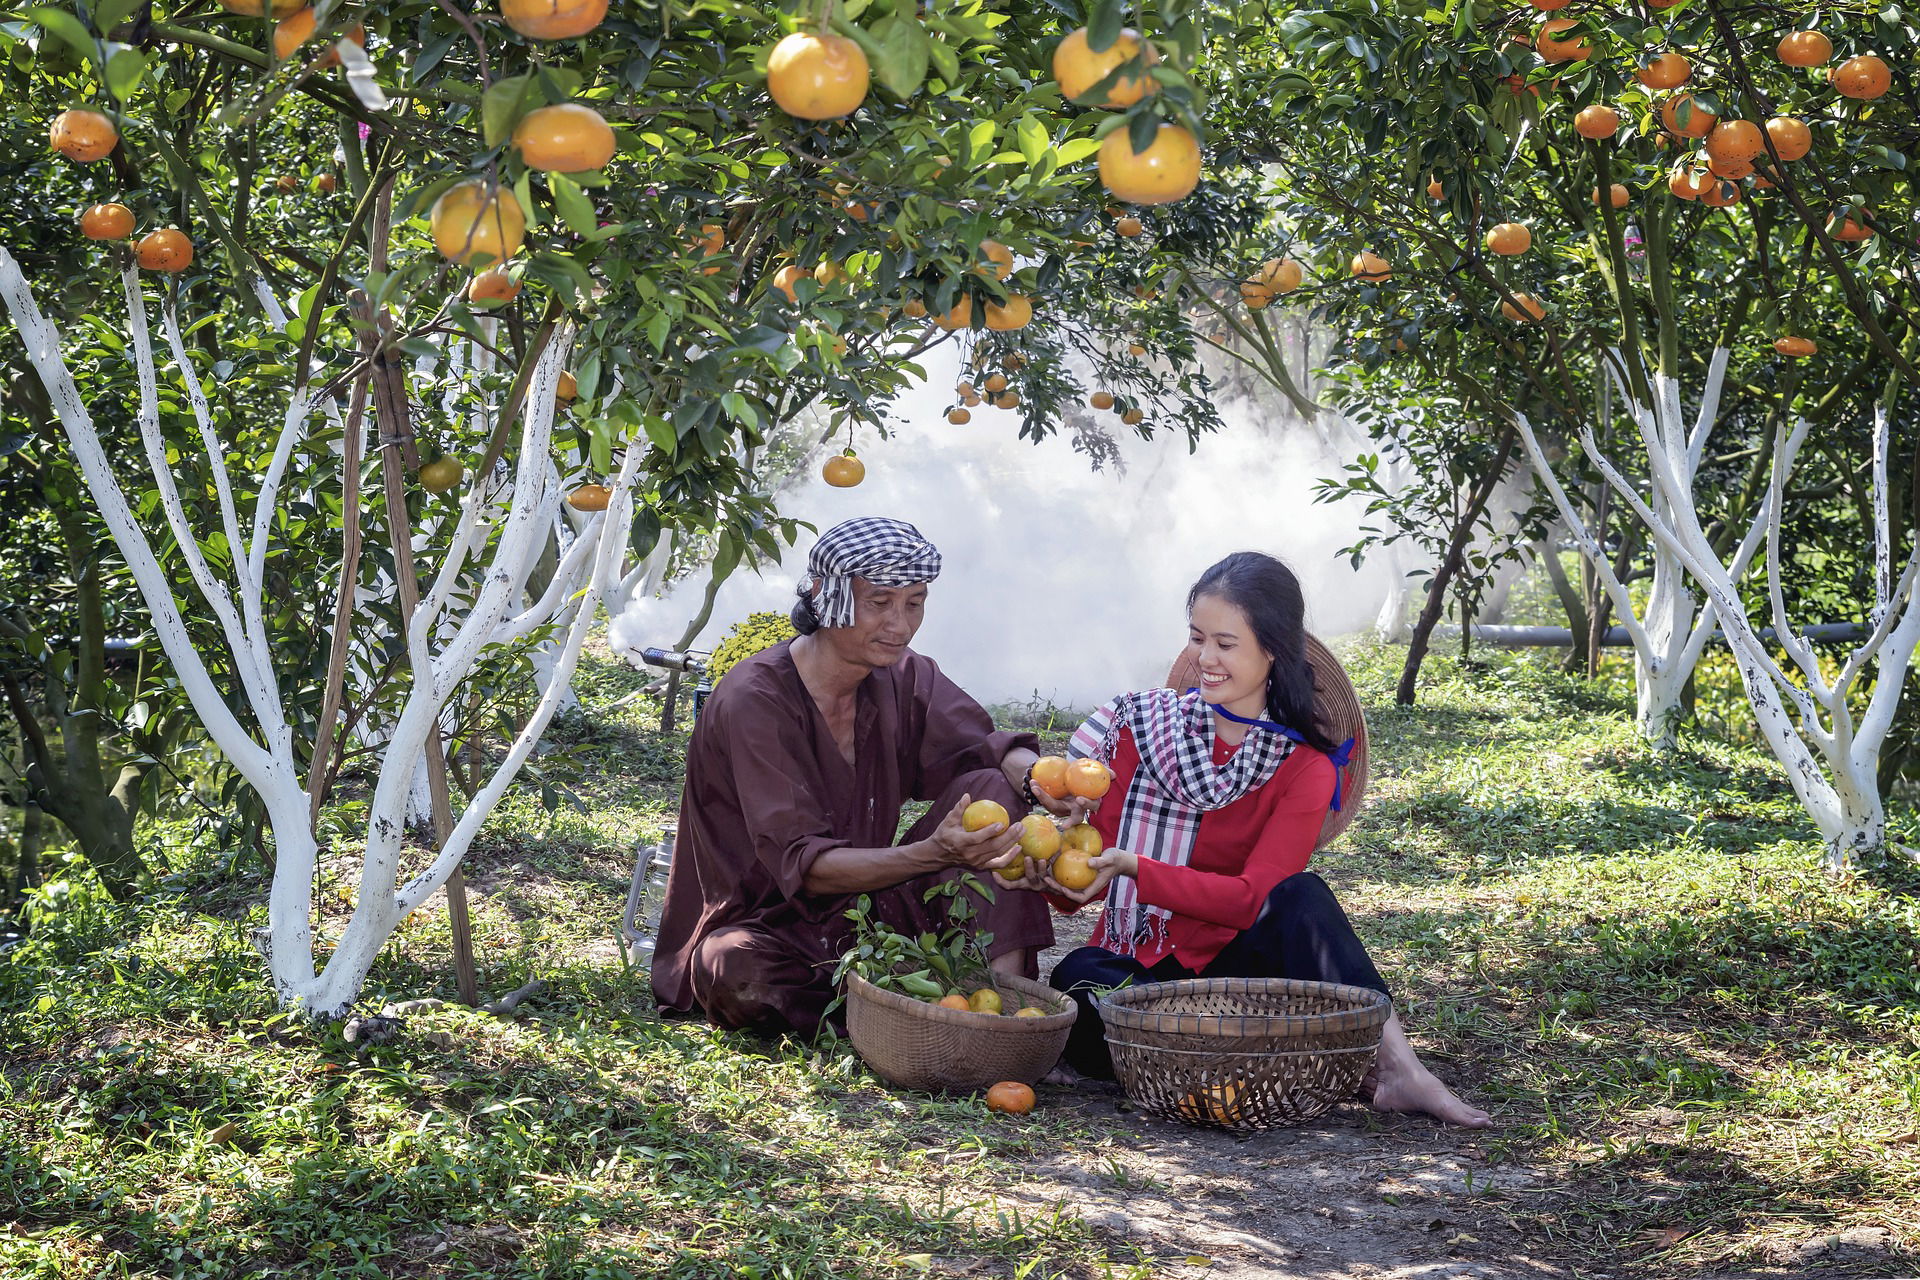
(1421,1093)
(1399,1081)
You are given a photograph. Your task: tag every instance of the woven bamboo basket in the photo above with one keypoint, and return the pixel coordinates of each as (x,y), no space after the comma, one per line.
(1243,1054)
(915,1045)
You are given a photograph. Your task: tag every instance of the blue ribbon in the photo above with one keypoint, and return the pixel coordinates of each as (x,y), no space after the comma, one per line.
(1340,755)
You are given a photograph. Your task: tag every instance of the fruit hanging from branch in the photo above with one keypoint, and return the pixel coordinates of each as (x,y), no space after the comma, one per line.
(1077,68)
(818,75)
(1166,171)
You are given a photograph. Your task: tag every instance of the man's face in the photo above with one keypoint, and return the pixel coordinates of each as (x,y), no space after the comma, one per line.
(884,622)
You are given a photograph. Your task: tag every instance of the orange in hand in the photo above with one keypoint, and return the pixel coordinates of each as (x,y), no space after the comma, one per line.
(1050,773)
(1088,779)
(1070,870)
(1082,836)
(983,813)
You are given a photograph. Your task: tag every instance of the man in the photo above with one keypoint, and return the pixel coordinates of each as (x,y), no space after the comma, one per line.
(796,774)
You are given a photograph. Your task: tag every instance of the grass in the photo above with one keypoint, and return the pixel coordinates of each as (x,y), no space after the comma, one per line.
(1712,1048)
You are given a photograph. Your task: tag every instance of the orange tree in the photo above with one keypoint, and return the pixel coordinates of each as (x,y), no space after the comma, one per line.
(426,279)
(1449,174)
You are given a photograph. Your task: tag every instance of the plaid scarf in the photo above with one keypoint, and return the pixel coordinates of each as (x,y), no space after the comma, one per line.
(887,553)
(1176,783)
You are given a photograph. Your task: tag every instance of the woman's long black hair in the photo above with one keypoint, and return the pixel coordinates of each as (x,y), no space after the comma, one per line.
(1267,592)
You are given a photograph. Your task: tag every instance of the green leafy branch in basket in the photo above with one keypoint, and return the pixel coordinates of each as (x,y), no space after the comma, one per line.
(930,965)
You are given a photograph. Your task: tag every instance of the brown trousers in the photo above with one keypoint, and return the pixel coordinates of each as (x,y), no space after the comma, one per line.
(781,979)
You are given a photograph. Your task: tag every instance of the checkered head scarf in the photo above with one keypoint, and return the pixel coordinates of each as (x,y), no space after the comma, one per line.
(887,553)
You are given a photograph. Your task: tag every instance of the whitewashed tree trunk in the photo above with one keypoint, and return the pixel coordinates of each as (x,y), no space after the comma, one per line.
(444,644)
(1806,718)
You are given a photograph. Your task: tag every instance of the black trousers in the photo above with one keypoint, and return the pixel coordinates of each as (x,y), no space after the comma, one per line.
(1302,934)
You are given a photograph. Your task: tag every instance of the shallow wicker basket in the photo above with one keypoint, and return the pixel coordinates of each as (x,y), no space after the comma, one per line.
(1242,1053)
(916,1045)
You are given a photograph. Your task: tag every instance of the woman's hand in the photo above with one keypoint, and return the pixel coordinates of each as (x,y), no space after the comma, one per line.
(991,847)
(1114,862)
(1070,810)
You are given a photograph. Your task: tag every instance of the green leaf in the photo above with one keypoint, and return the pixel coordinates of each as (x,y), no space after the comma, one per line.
(902,65)
(501,107)
(1103,24)
(1032,138)
(125,70)
(946,63)
(109,14)
(69,28)
(1074,150)
(980,137)
(658,327)
(1143,129)
(574,207)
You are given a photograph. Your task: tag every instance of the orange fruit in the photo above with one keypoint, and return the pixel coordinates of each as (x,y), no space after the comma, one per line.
(441,474)
(913,309)
(985,1000)
(1863,76)
(959,417)
(286,182)
(1617,193)
(1368,265)
(1721,194)
(711,240)
(1088,779)
(1030,1011)
(999,260)
(1596,121)
(828,272)
(590,497)
(954,1001)
(1554,49)
(1849,230)
(1524,309)
(1699,121)
(1689,184)
(1219,1103)
(325,183)
(1434,190)
(1730,169)
(83,136)
(493,285)
(787,277)
(818,75)
(1133,417)
(553,19)
(1007,400)
(1550,6)
(843,471)
(106,222)
(1039,837)
(1665,71)
(1166,171)
(1798,348)
(1804,49)
(996,382)
(1050,772)
(297,28)
(1015,313)
(477,224)
(1077,68)
(567,138)
(1083,836)
(566,388)
(1791,138)
(1128,226)
(1735,140)
(1099,400)
(960,317)
(1070,869)
(165,250)
(1509,238)
(1275,276)
(982,814)
(1010,1097)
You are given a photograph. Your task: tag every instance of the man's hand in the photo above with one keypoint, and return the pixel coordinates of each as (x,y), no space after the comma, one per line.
(1114,862)
(988,849)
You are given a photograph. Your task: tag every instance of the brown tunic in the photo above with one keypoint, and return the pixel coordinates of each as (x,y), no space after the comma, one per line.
(768,791)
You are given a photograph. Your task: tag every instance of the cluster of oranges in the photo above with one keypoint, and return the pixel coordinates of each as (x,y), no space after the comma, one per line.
(1730,151)
(1063,854)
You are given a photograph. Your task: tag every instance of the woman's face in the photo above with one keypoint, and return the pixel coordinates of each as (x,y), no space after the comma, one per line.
(1233,666)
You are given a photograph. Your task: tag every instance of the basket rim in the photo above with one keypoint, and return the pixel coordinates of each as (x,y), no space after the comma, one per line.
(1371,1008)
(858,988)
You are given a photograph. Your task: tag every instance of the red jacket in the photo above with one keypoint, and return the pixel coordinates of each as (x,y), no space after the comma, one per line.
(1243,850)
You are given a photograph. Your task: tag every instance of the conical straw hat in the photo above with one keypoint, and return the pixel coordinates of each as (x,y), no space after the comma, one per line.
(1336,706)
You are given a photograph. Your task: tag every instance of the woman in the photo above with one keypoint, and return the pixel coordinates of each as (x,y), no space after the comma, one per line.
(1227,896)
